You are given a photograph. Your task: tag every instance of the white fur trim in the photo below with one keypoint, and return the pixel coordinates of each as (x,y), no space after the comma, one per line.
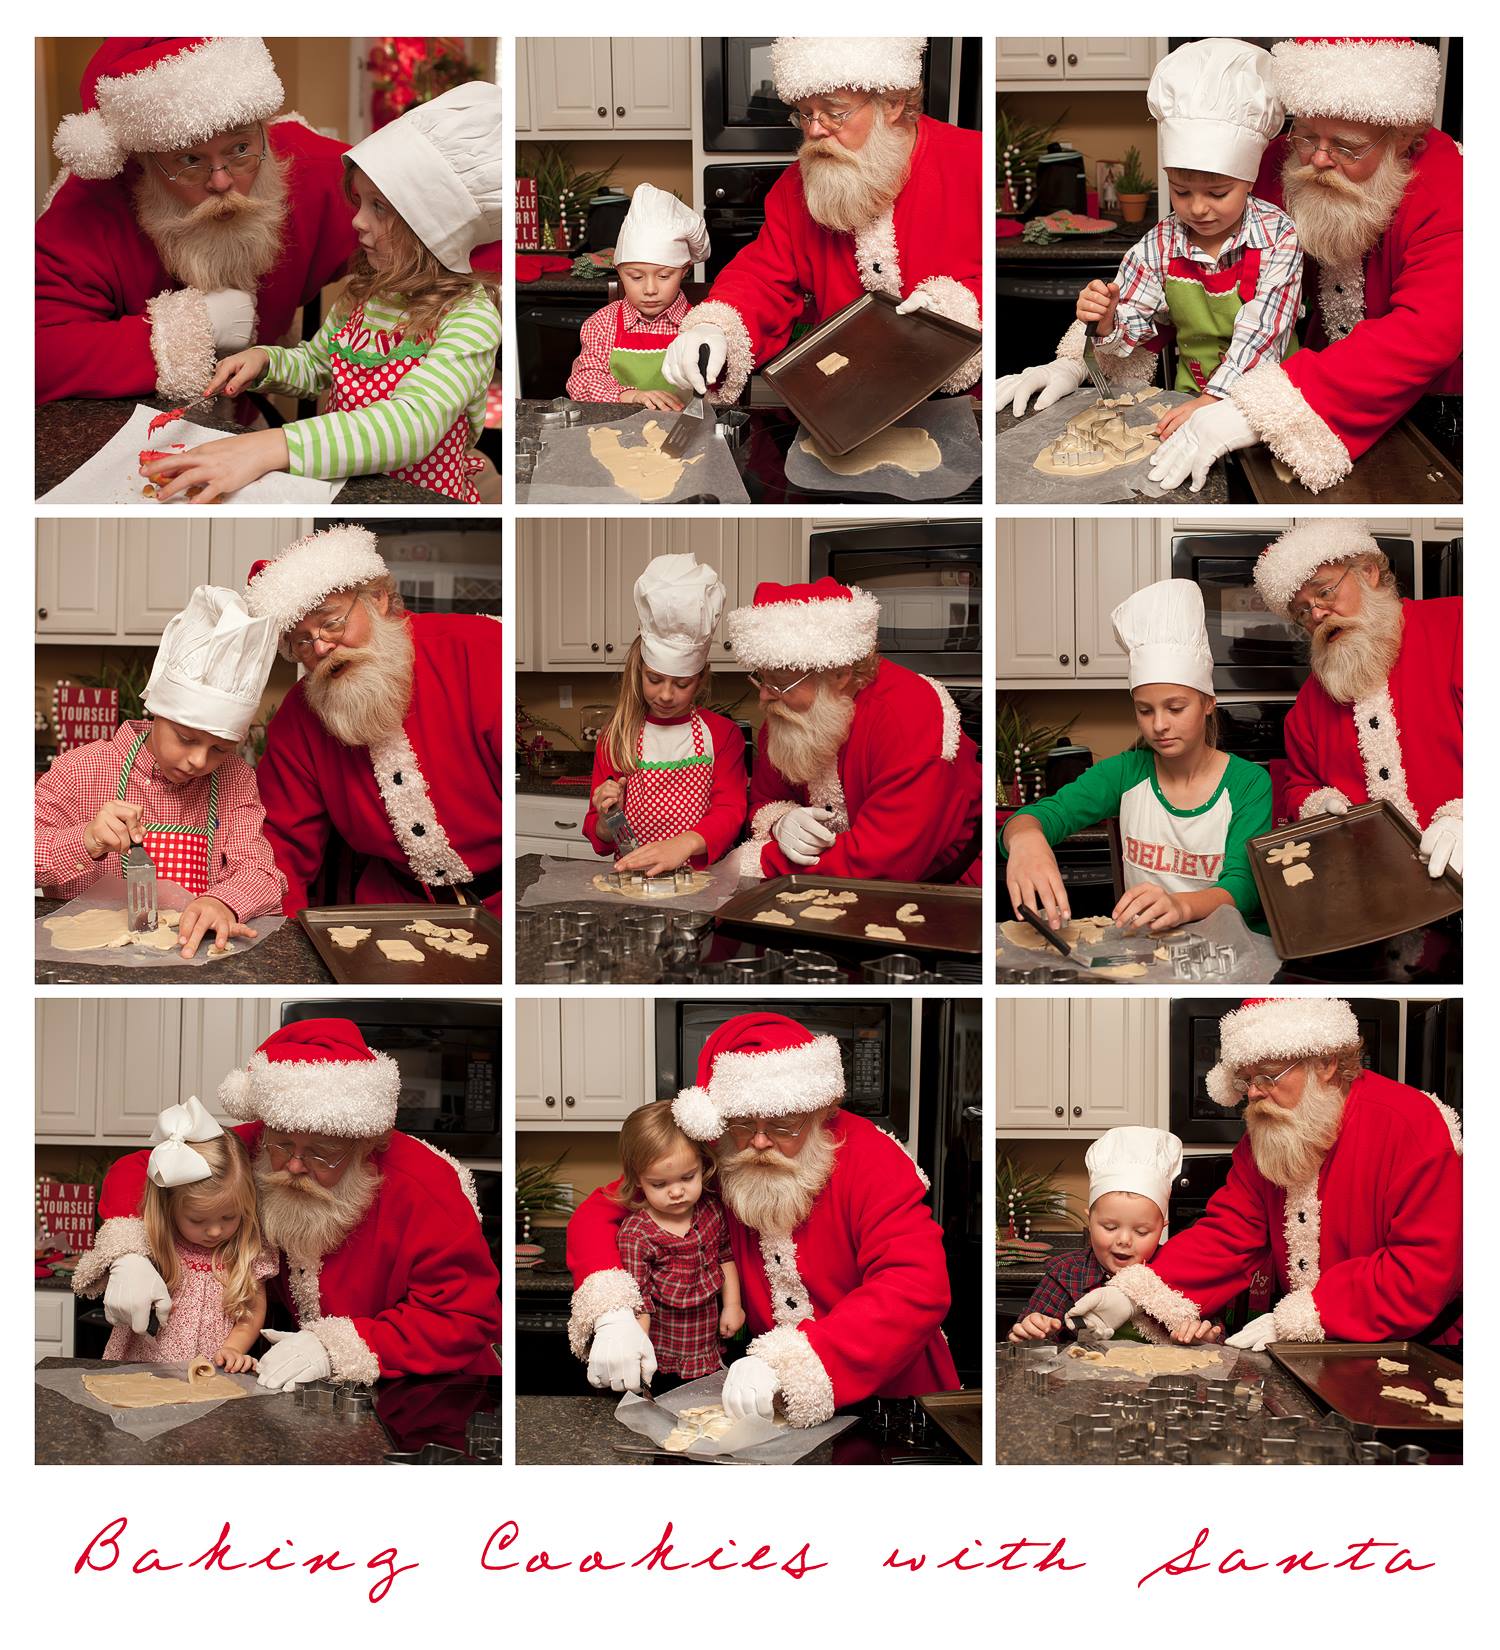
(1296,1317)
(1284,567)
(790,1301)
(1279,414)
(827,791)
(1384,82)
(182,342)
(1282,1028)
(1132,370)
(86,146)
(876,255)
(1302,1227)
(953,299)
(1451,1121)
(782,1082)
(310,570)
(822,634)
(123,1235)
(1449,810)
(811,66)
(1167,1305)
(350,1356)
(739,361)
(302,1279)
(462,1170)
(951,728)
(760,835)
(806,1390)
(1317,802)
(349,1099)
(695,1114)
(1341,298)
(748,859)
(418,830)
(600,1292)
(1379,739)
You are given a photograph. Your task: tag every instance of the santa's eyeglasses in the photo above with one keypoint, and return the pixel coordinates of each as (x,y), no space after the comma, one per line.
(327,630)
(744,1130)
(1262,1080)
(762,684)
(831,120)
(1322,599)
(242,161)
(281,1152)
(1307,144)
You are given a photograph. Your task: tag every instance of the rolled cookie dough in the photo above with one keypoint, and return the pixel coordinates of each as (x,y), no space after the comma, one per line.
(139,1390)
(1139,1359)
(1444,1412)
(909,913)
(643,471)
(775,919)
(1389,1366)
(792,896)
(831,363)
(1405,1395)
(1289,853)
(825,913)
(879,931)
(400,951)
(1452,1390)
(200,1369)
(706,1421)
(700,881)
(1293,874)
(347,938)
(106,930)
(908,448)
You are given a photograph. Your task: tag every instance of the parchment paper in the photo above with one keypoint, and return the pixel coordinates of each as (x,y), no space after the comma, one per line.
(142,1423)
(950,422)
(1077,1369)
(754,1440)
(571,882)
(1255,964)
(1018,481)
(113,474)
(109,893)
(568,473)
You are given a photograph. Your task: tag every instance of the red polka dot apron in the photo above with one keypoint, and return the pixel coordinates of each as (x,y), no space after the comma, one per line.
(367,365)
(665,798)
(181,853)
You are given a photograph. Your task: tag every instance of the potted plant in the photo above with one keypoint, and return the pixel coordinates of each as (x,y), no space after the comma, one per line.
(1021,749)
(562,194)
(539,1192)
(1133,187)
(1025,1199)
(1019,145)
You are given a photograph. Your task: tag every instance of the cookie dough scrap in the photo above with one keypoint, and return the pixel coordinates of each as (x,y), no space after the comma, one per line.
(707,1422)
(909,913)
(1451,1389)
(1294,874)
(878,931)
(909,448)
(455,942)
(845,896)
(776,919)
(644,471)
(825,913)
(832,362)
(422,926)
(139,1390)
(1444,1412)
(402,951)
(346,938)
(1080,931)
(1389,1366)
(1288,853)
(792,896)
(1405,1395)
(200,1370)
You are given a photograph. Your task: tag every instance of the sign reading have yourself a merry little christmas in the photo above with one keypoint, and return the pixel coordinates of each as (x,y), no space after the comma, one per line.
(83,714)
(65,1212)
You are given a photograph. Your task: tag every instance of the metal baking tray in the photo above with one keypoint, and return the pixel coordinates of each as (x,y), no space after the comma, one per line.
(895,361)
(1369,883)
(366,964)
(1343,1375)
(952,927)
(957,1414)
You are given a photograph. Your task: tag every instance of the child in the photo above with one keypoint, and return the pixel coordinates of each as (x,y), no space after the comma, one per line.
(175,783)
(408,351)
(677,1246)
(622,346)
(1223,268)
(205,1240)
(1131,1171)
(676,769)
(1187,811)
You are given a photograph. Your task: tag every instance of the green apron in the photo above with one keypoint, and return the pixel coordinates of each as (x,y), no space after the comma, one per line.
(1204,305)
(635,361)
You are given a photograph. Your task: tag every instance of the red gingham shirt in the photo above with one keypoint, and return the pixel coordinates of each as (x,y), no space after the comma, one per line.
(590,378)
(679,1279)
(243,873)
(1066,1279)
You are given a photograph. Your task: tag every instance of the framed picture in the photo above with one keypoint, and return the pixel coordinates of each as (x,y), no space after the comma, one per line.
(1106,173)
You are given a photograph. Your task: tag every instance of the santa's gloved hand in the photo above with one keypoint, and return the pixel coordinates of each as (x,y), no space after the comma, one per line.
(1442,846)
(918,300)
(1050,382)
(1102,1311)
(134,1288)
(231,314)
(1329,801)
(750,1388)
(680,364)
(296,1357)
(621,1357)
(1256,1335)
(1207,435)
(803,834)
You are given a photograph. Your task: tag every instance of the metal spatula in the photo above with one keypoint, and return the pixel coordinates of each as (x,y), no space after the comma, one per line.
(694,421)
(140,889)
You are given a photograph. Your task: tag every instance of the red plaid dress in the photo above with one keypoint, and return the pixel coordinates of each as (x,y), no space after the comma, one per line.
(679,1279)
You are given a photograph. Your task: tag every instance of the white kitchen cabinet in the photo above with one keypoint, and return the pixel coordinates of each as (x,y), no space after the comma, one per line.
(1108,57)
(632,542)
(521,622)
(523,87)
(235,545)
(1101,61)
(552,825)
(1079,1065)
(652,88)
(538,1059)
(140,1066)
(162,562)
(581,1064)
(67,1066)
(1020,57)
(1112,558)
(1031,1061)
(632,86)
(54,1323)
(1034,598)
(218,1035)
(570,561)
(77,576)
(571,84)
(1224,521)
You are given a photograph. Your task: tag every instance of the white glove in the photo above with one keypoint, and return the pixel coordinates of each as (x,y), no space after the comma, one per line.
(296,1357)
(1191,450)
(134,1287)
(1442,846)
(680,364)
(1335,802)
(918,300)
(1102,1311)
(231,314)
(1054,380)
(1256,1334)
(802,835)
(622,1356)
(750,1388)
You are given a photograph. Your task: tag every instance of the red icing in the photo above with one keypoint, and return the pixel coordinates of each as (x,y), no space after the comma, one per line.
(163,419)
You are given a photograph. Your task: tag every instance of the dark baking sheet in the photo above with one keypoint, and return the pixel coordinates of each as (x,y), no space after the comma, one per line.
(366,964)
(1343,1375)
(1369,883)
(958,1414)
(895,361)
(952,927)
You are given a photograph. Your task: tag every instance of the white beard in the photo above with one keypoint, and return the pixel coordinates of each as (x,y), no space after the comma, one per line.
(305,1220)
(1289,1146)
(204,249)
(364,700)
(1357,663)
(804,744)
(1339,221)
(847,189)
(770,1192)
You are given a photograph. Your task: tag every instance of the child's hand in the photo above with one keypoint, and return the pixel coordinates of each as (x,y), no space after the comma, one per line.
(1147,906)
(731,1320)
(1097,303)
(656,858)
(206,918)
(1035,1326)
(1179,416)
(112,829)
(1198,1330)
(232,1362)
(657,400)
(237,372)
(218,468)
(609,795)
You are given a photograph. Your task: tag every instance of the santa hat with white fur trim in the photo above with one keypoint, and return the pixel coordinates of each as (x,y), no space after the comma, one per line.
(805,626)
(288,587)
(152,96)
(812,66)
(1279,1028)
(1383,81)
(316,1077)
(759,1065)
(1284,567)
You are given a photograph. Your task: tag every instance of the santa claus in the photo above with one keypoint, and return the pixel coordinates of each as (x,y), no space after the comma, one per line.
(391,739)
(1380,665)
(862,769)
(841,1264)
(384,1266)
(1350,1181)
(882,199)
(188,221)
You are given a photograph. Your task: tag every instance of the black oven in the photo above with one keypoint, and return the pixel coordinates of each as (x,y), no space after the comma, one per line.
(734,208)
(449,1056)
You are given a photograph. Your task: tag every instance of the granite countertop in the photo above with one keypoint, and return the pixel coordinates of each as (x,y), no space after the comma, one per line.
(59,1282)
(1076,248)
(552,1276)
(286,958)
(579,766)
(568,285)
(1215,489)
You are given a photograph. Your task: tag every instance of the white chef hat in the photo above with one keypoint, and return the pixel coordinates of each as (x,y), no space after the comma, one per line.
(1134,1159)
(1215,107)
(660,229)
(173,1162)
(1162,629)
(679,602)
(439,166)
(211,667)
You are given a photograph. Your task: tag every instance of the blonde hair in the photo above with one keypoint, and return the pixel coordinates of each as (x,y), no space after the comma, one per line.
(647,1136)
(623,734)
(234,1260)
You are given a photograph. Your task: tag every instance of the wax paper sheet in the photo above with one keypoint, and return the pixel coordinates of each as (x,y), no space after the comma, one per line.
(1018,481)
(1055,1361)
(109,893)
(571,882)
(755,1440)
(113,474)
(951,423)
(1255,962)
(142,1423)
(568,473)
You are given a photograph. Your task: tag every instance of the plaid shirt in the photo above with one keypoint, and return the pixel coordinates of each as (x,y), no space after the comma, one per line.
(1265,322)
(78,784)
(1067,1278)
(590,378)
(679,1279)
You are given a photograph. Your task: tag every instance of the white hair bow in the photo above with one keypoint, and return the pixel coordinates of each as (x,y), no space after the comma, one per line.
(173,1162)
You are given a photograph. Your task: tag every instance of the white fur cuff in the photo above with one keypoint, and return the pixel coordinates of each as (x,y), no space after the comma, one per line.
(1279,414)
(739,362)
(1449,810)
(1132,371)
(1317,802)
(124,1235)
(600,1292)
(1296,1317)
(350,1358)
(806,1391)
(182,341)
(953,299)
(1150,1294)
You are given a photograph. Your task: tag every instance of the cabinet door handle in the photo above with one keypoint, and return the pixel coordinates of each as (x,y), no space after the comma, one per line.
(609,647)
(1072,60)
(593,647)
(41,613)
(619,111)
(563,824)
(726,644)
(568,1100)
(1077,1110)
(1083,658)
(1051,60)
(602,111)
(1062,658)
(551,1099)
(1057,1111)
